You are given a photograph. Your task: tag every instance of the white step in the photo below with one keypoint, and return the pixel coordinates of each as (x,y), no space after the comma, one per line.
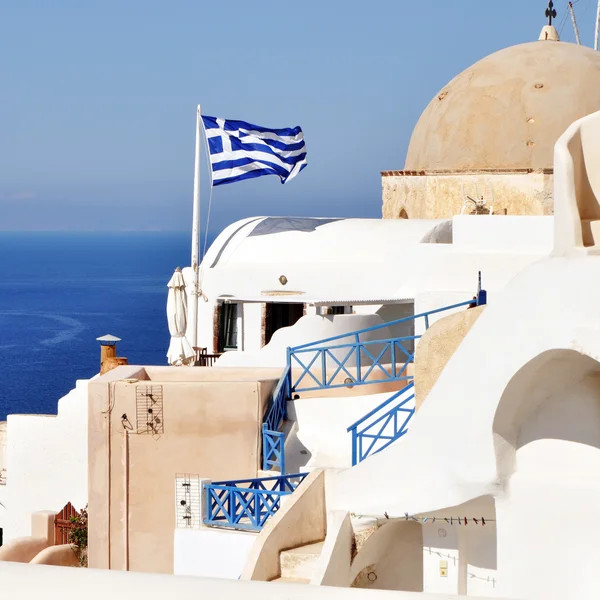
(300,563)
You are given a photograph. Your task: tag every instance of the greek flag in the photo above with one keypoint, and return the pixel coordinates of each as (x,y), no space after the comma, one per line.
(240,150)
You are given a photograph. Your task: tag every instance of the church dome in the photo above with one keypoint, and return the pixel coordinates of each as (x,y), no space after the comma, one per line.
(507,110)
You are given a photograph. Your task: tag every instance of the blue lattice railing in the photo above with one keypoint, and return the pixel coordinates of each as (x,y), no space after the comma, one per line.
(323,364)
(247,503)
(273,440)
(383,425)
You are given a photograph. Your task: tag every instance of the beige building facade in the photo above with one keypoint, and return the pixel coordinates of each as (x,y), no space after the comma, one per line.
(149,426)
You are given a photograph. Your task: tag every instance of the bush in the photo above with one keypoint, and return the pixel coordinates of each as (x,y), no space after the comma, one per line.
(78,535)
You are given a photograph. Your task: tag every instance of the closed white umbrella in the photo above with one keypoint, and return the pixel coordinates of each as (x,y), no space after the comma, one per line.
(180,350)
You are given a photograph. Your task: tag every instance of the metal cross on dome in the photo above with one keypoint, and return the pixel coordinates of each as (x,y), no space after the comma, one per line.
(550,12)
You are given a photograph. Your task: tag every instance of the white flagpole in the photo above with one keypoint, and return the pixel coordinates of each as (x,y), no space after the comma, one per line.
(597,27)
(193,312)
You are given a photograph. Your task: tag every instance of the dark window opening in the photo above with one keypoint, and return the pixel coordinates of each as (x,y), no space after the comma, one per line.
(281,315)
(228,327)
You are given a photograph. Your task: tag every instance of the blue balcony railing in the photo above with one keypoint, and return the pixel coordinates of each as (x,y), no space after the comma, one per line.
(349,359)
(247,503)
(273,440)
(383,425)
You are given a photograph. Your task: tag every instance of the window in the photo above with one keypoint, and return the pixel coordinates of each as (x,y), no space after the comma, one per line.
(336,310)
(281,315)
(228,327)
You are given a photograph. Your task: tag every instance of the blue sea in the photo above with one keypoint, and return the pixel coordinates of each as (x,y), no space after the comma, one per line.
(60,291)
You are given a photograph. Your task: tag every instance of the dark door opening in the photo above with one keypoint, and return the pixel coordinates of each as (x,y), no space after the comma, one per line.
(281,315)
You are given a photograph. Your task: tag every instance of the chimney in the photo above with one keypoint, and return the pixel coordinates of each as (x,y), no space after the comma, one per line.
(108,353)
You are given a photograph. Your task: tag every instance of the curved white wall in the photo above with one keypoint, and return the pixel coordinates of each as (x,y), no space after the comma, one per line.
(451,454)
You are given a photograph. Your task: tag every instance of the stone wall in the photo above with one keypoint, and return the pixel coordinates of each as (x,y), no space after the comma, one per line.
(439,195)
(437,346)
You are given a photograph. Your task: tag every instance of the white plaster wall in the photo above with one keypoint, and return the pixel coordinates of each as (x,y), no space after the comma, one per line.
(440,543)
(556,481)
(450,454)
(206,311)
(252,326)
(3,511)
(58,583)
(46,461)
(2,474)
(211,552)
(482,570)
(498,233)
(319,438)
(2,447)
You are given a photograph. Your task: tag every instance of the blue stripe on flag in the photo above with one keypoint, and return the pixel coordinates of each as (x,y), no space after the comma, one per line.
(246,175)
(225,165)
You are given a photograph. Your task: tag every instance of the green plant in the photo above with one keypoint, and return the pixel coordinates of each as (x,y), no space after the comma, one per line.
(78,535)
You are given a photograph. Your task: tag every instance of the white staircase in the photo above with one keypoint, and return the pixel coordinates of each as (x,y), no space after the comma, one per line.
(298,564)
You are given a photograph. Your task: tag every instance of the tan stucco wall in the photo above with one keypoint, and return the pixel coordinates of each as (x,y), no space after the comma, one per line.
(24,549)
(391,559)
(301,521)
(211,429)
(437,346)
(59,556)
(440,195)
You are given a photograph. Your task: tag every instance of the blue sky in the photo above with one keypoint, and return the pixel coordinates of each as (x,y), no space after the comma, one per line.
(97,108)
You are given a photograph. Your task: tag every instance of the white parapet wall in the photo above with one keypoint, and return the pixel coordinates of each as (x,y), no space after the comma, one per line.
(46,462)
(59,583)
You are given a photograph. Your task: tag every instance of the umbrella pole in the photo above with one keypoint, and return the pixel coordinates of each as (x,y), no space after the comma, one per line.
(193,313)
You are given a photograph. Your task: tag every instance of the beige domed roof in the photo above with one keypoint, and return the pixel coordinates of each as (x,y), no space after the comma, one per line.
(507,110)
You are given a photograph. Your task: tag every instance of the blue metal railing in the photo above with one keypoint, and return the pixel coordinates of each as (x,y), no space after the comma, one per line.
(362,361)
(247,503)
(273,440)
(376,431)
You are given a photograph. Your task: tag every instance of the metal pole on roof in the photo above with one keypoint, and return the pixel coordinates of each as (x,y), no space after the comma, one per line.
(572,11)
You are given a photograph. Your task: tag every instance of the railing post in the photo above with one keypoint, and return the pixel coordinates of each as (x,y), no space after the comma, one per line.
(257,508)
(324,367)
(354,459)
(264,447)
(282,450)
(288,362)
(358,365)
(481,298)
